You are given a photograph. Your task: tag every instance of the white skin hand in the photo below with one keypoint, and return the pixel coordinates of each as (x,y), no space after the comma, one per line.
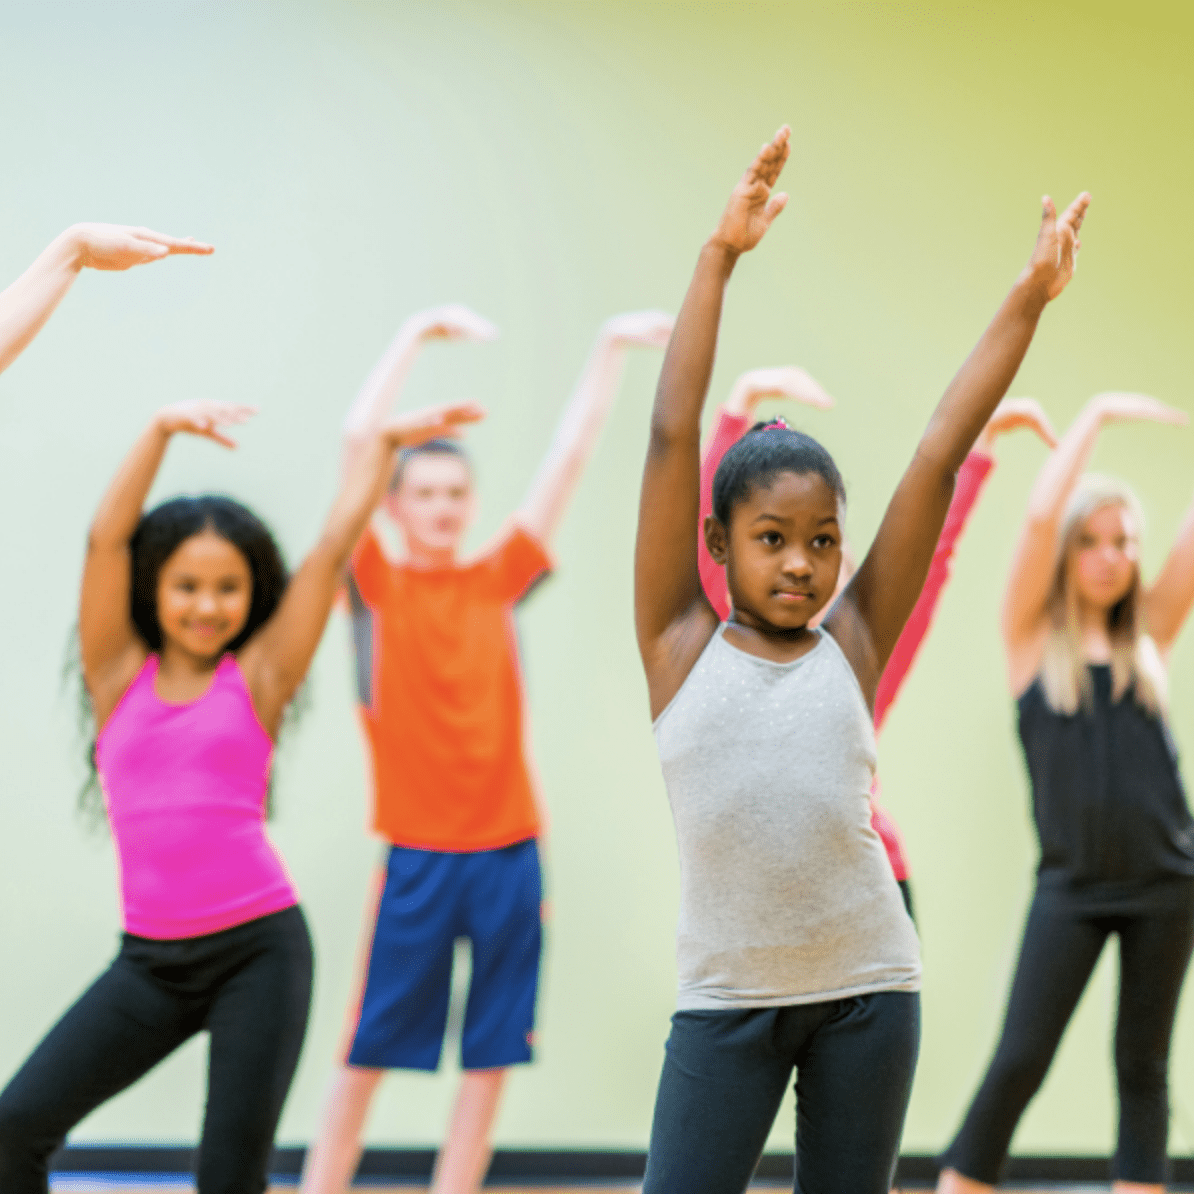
(1012,414)
(454,321)
(784,381)
(204,418)
(648,329)
(120,247)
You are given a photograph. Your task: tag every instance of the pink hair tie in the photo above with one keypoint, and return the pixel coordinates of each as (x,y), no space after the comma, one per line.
(779,423)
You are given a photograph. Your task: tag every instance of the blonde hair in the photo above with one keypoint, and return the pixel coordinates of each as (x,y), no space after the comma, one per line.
(1135,662)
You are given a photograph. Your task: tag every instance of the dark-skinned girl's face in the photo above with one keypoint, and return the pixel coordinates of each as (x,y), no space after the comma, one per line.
(205,590)
(783,551)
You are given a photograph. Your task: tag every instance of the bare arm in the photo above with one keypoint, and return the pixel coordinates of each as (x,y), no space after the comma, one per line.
(30,300)
(111,649)
(276,658)
(584,416)
(867,621)
(1024,603)
(1169,598)
(673,619)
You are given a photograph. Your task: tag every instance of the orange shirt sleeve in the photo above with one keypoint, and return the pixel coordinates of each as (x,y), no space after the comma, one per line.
(370,568)
(516,564)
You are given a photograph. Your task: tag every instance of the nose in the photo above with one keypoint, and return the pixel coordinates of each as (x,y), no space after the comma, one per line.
(797,564)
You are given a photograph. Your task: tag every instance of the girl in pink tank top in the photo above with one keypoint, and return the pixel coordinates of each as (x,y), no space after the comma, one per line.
(193,642)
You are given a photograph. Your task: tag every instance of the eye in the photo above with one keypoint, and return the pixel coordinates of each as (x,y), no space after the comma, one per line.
(771,538)
(824,542)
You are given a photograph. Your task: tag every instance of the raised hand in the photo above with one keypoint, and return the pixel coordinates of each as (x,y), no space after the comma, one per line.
(203,418)
(432,422)
(752,206)
(454,321)
(1115,406)
(1056,252)
(784,381)
(650,329)
(119,247)
(1012,414)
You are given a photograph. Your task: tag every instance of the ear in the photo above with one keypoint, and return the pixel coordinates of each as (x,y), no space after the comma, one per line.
(716,540)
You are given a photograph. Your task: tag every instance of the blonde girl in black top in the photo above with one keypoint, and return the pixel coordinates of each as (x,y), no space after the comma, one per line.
(1086,643)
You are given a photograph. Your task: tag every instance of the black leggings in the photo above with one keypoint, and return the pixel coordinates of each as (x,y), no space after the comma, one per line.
(726,1071)
(248,986)
(1060,948)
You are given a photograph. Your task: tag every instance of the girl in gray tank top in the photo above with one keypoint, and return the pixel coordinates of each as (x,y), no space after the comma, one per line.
(794,948)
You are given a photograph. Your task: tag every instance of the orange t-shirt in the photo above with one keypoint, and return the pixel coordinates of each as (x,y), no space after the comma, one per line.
(441,695)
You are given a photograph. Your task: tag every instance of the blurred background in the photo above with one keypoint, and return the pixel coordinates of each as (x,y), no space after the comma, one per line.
(552,164)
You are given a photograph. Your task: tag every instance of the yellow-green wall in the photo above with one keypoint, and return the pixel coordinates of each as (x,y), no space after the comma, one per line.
(551,164)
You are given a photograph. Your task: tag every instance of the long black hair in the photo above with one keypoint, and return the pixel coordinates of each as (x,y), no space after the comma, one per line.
(158,535)
(764,452)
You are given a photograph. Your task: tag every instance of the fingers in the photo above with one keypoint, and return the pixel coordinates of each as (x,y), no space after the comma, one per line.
(771,157)
(171,244)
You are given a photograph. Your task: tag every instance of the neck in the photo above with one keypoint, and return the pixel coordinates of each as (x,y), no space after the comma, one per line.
(422,555)
(1096,638)
(175,660)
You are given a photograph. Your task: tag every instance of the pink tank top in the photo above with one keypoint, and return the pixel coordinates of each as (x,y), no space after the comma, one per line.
(185,787)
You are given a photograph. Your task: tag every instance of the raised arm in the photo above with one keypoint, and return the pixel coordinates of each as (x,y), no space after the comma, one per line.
(383,386)
(867,621)
(583,418)
(277,657)
(733,421)
(1168,599)
(972,476)
(30,300)
(673,619)
(111,649)
(1024,620)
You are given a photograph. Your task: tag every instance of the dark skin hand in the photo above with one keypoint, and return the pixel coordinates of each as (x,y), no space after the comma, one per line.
(781,563)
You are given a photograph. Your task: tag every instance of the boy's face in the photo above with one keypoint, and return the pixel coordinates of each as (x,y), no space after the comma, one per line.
(783,553)
(433,503)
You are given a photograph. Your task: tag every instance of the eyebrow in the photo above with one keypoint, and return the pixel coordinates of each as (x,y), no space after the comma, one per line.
(769,517)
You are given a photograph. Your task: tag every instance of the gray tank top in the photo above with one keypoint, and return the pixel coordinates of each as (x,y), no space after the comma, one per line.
(786,893)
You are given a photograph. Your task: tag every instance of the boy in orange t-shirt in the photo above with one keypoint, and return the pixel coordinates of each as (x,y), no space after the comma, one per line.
(441,701)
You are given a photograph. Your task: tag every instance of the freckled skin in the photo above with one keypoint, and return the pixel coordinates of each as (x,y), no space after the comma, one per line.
(783,557)
(205,590)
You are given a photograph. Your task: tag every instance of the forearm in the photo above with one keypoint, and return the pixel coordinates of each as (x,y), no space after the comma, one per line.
(30,300)
(981,383)
(688,364)
(575,438)
(361,490)
(120,509)
(383,385)
(1060,472)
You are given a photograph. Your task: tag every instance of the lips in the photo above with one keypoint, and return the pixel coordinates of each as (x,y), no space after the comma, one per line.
(792,595)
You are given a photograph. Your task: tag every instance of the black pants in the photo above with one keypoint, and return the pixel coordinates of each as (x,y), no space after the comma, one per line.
(248,986)
(1060,948)
(726,1071)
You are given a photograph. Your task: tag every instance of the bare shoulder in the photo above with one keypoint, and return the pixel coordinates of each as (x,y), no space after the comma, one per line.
(670,658)
(106,687)
(851,633)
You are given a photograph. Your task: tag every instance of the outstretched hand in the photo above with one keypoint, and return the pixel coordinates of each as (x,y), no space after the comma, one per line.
(203,418)
(1056,252)
(1012,414)
(119,247)
(752,206)
(1116,407)
(784,381)
(432,422)
(454,321)
(650,329)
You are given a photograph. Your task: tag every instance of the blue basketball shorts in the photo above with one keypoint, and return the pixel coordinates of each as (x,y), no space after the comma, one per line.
(492,897)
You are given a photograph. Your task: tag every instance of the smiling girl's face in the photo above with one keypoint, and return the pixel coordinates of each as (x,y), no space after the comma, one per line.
(205,590)
(783,553)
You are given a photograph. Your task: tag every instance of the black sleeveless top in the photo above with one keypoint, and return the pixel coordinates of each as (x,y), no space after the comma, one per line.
(1111,813)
